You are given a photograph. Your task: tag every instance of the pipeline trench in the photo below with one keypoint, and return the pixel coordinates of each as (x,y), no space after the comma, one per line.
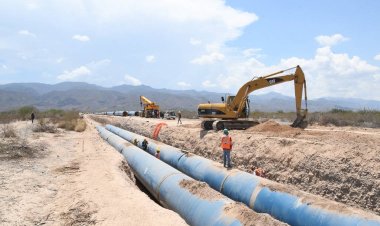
(334,167)
(192,200)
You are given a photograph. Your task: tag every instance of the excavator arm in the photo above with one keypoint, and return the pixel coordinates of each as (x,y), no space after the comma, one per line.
(145,101)
(298,76)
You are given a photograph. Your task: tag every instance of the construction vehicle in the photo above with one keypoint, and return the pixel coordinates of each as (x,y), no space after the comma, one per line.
(150,109)
(169,115)
(234,112)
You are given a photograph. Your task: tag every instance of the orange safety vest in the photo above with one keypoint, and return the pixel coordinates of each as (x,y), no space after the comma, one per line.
(226,143)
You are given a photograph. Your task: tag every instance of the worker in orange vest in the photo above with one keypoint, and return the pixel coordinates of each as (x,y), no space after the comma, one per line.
(226,145)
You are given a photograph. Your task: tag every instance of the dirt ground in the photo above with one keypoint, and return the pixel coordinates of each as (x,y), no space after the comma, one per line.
(70,178)
(339,163)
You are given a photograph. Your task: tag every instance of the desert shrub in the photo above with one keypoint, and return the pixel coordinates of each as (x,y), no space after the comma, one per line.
(25,112)
(8,131)
(20,148)
(44,125)
(338,117)
(80,126)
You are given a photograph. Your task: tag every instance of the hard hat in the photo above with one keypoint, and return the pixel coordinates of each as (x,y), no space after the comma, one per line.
(225,131)
(158,149)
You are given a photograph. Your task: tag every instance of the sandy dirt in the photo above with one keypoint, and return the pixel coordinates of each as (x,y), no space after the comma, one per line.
(338,163)
(72,179)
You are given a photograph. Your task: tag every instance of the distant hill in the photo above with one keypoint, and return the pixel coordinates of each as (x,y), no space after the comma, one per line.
(89,97)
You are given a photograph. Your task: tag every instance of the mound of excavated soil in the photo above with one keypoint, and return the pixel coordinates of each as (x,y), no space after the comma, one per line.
(272,126)
(200,189)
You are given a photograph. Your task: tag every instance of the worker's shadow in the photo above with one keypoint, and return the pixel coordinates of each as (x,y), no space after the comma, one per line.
(202,133)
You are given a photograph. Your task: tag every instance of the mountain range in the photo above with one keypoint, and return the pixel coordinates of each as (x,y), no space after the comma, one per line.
(88,97)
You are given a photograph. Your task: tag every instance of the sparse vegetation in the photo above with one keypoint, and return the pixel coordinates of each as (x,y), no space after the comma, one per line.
(8,131)
(336,117)
(46,121)
(44,125)
(19,148)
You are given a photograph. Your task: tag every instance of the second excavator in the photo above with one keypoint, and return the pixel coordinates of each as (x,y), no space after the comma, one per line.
(233,113)
(150,108)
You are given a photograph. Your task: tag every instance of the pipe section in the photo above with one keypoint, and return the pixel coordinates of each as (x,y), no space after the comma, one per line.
(163,182)
(264,196)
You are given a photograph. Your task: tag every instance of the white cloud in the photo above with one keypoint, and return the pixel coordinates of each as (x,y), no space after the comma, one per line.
(256,53)
(78,72)
(150,58)
(377,57)
(183,84)
(208,58)
(32,5)
(208,84)
(82,38)
(325,40)
(327,74)
(27,33)
(195,42)
(132,80)
(60,60)
(214,16)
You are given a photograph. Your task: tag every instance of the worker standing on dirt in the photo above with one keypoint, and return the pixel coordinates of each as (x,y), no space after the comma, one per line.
(32,117)
(226,145)
(144,144)
(179,115)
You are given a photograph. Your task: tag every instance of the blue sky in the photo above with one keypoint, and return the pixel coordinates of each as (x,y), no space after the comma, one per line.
(200,44)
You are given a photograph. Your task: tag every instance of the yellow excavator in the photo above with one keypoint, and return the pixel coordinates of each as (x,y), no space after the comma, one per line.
(231,113)
(150,109)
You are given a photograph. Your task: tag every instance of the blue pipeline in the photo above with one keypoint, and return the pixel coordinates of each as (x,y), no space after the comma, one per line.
(280,201)
(163,182)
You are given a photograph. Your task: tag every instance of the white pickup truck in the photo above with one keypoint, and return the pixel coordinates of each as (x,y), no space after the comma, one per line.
(169,115)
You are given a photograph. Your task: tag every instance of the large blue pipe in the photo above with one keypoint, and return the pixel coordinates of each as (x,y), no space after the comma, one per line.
(264,196)
(163,182)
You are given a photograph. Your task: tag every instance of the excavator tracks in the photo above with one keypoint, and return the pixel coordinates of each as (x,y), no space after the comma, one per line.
(227,124)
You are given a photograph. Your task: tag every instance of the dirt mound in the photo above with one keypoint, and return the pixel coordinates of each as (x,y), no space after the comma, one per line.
(200,189)
(248,217)
(272,126)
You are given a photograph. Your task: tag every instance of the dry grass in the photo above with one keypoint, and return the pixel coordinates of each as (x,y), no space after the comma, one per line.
(19,148)
(336,117)
(80,126)
(8,131)
(44,125)
(79,214)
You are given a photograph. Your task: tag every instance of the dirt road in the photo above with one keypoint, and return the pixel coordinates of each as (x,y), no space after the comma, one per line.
(342,164)
(72,179)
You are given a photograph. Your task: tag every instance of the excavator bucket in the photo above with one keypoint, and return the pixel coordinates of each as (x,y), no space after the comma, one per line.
(300,122)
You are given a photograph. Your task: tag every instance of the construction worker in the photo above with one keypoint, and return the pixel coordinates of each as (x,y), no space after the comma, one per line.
(158,153)
(144,144)
(179,115)
(32,117)
(135,142)
(226,145)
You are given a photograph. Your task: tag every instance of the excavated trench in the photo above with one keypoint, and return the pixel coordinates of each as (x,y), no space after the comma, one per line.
(343,167)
